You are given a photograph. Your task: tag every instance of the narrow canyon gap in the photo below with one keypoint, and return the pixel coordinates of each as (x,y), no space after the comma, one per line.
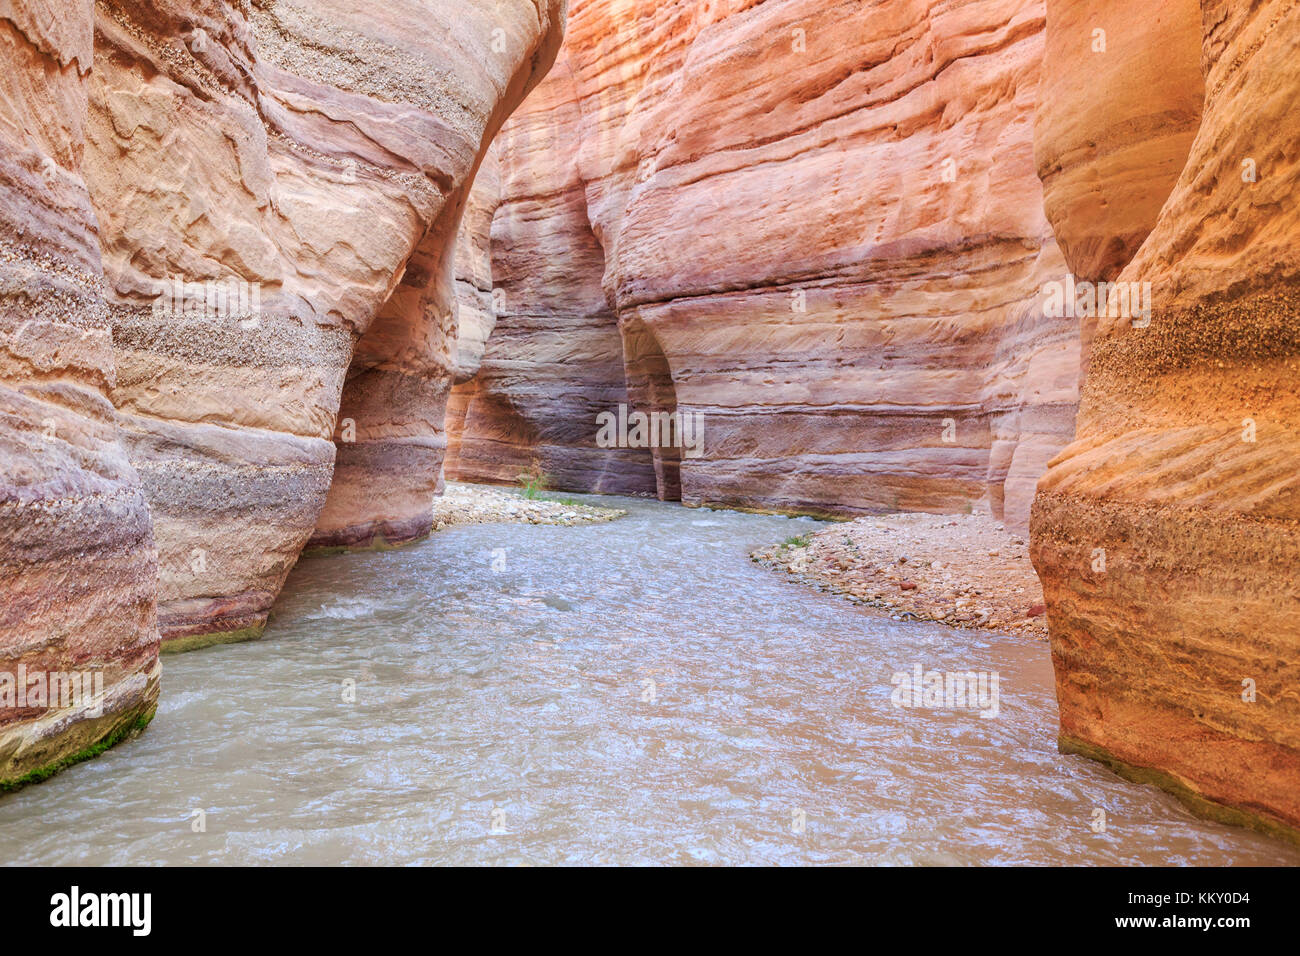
(824,228)
(841,251)
(827,218)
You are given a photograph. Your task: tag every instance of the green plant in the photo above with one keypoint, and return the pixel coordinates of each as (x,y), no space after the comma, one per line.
(798,541)
(534,481)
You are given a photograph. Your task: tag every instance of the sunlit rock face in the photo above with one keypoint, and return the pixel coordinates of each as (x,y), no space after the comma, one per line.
(1118,107)
(831,252)
(1168,535)
(313,158)
(77,562)
(229,220)
(475,309)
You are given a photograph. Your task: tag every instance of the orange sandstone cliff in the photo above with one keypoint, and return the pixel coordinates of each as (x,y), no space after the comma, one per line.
(1167,535)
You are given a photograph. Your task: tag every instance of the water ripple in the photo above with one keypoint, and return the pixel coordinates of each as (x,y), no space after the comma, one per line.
(635,692)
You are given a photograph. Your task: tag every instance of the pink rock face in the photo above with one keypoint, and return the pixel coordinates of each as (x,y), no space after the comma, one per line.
(829,252)
(387,472)
(554,360)
(236,224)
(77,561)
(1168,535)
(316,158)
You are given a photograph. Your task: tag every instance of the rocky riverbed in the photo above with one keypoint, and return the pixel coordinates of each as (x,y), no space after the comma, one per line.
(964,571)
(463,504)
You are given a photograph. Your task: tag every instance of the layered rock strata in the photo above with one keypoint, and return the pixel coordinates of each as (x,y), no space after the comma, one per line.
(1168,535)
(313,160)
(227,234)
(78,634)
(554,360)
(829,252)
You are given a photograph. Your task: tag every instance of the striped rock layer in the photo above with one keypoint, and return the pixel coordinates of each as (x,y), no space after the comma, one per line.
(227,323)
(829,251)
(1168,535)
(77,559)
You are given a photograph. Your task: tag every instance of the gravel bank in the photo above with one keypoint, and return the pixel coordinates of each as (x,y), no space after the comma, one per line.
(487,504)
(961,570)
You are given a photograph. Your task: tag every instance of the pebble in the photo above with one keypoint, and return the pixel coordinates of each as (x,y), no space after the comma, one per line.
(950,561)
(463,504)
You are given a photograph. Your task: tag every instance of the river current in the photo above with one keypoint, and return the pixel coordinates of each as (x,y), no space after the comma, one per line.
(633,692)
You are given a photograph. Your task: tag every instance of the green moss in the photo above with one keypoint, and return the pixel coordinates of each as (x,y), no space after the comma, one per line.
(114,738)
(192,642)
(1198,803)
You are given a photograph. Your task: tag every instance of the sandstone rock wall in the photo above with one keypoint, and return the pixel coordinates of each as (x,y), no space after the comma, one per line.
(77,561)
(1114,124)
(828,250)
(228,233)
(316,156)
(475,309)
(555,358)
(1168,535)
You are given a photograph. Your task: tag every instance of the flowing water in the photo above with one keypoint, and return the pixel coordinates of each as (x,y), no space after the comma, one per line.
(633,692)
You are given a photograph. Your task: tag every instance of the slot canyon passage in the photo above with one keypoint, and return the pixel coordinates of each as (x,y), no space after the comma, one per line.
(1007,285)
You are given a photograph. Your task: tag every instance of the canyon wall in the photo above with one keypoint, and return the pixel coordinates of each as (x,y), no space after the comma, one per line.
(829,251)
(1167,535)
(555,358)
(316,156)
(1113,127)
(474,308)
(835,253)
(77,560)
(227,296)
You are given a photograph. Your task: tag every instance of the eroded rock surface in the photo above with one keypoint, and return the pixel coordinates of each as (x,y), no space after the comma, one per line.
(829,251)
(1114,124)
(554,360)
(475,307)
(235,222)
(77,560)
(1168,535)
(316,158)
